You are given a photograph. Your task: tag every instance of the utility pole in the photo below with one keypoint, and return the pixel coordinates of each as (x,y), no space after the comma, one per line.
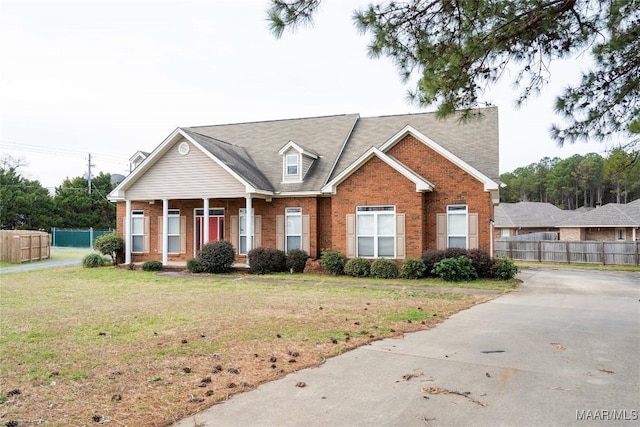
(90,165)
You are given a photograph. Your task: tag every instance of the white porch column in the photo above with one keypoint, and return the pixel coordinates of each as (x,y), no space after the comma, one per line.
(205,219)
(165,231)
(249,225)
(127,232)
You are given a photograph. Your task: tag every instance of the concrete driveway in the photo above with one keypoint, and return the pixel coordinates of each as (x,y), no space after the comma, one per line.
(562,350)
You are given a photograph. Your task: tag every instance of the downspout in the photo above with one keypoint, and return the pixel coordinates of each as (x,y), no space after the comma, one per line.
(491,222)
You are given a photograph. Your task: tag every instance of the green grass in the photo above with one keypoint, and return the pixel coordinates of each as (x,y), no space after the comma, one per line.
(404,283)
(100,332)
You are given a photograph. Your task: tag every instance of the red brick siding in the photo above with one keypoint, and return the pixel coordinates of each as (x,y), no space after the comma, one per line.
(325,225)
(376,183)
(452,186)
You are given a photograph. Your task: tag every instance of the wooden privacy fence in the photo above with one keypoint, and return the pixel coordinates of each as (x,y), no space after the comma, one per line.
(18,246)
(577,252)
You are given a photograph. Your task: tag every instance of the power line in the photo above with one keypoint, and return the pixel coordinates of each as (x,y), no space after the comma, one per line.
(57,151)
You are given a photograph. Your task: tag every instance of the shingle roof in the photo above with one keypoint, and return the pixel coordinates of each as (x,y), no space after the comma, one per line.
(236,158)
(475,141)
(262,140)
(609,215)
(340,140)
(529,214)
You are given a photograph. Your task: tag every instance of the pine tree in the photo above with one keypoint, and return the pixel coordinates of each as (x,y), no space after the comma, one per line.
(458,48)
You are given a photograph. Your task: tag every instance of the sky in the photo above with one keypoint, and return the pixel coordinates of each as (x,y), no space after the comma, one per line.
(109,78)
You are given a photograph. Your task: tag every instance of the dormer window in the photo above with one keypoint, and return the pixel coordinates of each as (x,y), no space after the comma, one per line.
(296,162)
(292,164)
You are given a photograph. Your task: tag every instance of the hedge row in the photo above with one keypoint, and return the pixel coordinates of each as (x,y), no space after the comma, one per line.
(451,264)
(218,257)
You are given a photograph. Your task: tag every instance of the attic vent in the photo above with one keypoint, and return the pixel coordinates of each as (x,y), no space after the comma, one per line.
(183,148)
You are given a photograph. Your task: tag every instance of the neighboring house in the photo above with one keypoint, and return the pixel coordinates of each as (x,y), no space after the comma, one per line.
(515,219)
(137,159)
(613,221)
(391,186)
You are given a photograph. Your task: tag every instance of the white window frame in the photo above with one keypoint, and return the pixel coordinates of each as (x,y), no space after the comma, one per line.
(455,211)
(621,234)
(291,213)
(242,223)
(287,165)
(376,212)
(174,215)
(137,215)
(505,232)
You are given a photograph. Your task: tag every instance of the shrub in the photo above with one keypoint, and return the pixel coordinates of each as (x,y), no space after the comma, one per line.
(412,268)
(216,257)
(92,261)
(357,267)
(454,252)
(109,244)
(266,260)
(194,265)
(455,269)
(332,261)
(482,262)
(296,260)
(505,269)
(152,266)
(430,259)
(384,268)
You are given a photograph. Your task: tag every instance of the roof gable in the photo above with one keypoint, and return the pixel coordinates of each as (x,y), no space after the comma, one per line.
(475,141)
(489,184)
(299,148)
(228,159)
(421,183)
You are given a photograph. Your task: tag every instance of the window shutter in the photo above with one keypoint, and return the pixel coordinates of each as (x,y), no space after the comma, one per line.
(183,234)
(234,232)
(473,231)
(280,232)
(306,225)
(147,234)
(401,241)
(257,230)
(441,226)
(160,241)
(351,235)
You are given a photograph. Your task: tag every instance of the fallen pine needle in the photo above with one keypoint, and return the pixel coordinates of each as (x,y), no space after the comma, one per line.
(438,390)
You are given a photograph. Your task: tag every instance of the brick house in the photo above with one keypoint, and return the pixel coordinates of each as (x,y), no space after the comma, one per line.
(516,219)
(390,186)
(613,221)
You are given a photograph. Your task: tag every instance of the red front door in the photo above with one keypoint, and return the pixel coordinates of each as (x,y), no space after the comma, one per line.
(216,230)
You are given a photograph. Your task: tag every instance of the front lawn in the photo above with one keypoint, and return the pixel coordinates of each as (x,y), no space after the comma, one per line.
(80,346)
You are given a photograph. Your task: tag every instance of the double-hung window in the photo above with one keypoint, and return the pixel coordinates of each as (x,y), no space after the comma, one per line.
(457,226)
(137,231)
(242,218)
(293,229)
(174,231)
(375,228)
(291,164)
